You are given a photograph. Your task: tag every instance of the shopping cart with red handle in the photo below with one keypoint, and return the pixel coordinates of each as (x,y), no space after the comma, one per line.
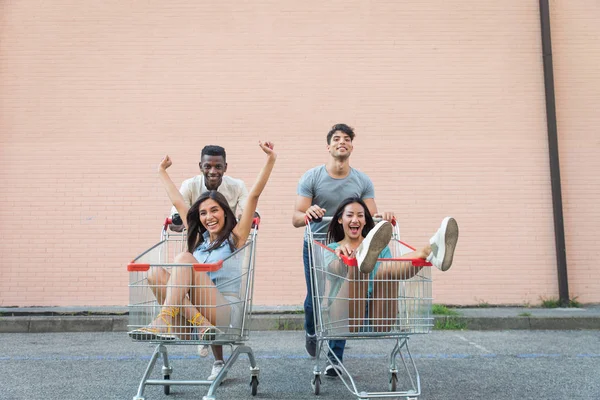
(233,314)
(393,302)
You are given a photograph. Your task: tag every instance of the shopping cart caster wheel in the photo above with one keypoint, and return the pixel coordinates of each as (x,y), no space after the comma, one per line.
(167,388)
(393,382)
(316,385)
(254,384)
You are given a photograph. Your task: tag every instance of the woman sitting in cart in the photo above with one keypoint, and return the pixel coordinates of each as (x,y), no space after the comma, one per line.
(212,235)
(353,234)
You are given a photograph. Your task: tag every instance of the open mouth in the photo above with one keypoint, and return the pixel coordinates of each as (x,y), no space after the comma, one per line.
(354,229)
(211,225)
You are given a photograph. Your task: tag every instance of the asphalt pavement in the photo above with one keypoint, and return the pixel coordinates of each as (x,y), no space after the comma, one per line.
(509,364)
(498,353)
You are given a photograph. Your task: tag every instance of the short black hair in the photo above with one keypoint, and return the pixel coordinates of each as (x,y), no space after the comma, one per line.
(212,150)
(342,128)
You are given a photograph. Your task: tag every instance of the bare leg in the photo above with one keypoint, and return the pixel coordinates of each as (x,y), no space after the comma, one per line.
(384,305)
(346,303)
(208,300)
(217,352)
(177,289)
(385,288)
(158,279)
(358,287)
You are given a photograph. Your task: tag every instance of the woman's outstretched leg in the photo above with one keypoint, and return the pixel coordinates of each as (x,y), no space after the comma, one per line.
(174,298)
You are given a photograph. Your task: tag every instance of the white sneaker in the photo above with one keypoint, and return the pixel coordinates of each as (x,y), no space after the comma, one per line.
(203,350)
(333,371)
(443,244)
(216,370)
(368,251)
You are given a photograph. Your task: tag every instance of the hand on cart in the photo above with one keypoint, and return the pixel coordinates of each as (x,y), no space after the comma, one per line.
(314,213)
(346,250)
(176,223)
(386,216)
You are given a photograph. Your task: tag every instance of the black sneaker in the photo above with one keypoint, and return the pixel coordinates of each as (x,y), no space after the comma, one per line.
(311,345)
(333,371)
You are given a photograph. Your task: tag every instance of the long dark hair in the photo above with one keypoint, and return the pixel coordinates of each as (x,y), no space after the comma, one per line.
(335,233)
(195,235)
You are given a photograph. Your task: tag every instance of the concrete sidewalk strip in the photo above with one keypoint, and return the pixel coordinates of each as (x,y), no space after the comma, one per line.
(114,319)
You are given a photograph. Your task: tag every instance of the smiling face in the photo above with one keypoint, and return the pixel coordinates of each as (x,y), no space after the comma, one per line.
(340,145)
(212,217)
(353,221)
(213,168)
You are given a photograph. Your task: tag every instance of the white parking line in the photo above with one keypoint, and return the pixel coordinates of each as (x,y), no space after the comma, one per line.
(473,343)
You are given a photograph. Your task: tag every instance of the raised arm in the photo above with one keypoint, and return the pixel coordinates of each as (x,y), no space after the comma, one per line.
(242,229)
(172,191)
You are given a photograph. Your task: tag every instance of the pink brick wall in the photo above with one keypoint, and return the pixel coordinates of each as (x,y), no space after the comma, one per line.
(446,97)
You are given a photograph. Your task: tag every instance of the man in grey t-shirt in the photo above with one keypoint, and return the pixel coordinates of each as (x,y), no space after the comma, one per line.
(320,192)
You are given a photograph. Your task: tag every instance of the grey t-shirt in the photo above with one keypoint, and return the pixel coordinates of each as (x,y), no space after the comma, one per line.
(328,192)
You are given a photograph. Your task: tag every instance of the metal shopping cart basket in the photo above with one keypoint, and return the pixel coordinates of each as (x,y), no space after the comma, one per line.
(233,315)
(393,302)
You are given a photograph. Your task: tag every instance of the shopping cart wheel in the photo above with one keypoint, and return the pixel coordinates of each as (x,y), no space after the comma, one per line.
(254,384)
(167,388)
(316,384)
(393,382)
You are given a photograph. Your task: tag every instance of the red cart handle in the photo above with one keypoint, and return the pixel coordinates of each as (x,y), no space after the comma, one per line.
(135,267)
(416,262)
(208,267)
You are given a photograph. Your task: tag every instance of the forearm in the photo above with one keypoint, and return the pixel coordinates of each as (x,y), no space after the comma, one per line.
(242,229)
(298,219)
(176,198)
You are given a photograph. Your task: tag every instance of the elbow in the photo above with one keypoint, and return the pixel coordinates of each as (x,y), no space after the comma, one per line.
(298,222)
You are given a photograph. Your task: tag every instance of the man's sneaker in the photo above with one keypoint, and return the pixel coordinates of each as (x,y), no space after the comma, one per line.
(443,244)
(203,350)
(368,251)
(311,345)
(217,367)
(333,371)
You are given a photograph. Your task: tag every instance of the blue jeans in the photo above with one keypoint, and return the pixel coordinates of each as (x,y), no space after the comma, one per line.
(337,346)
